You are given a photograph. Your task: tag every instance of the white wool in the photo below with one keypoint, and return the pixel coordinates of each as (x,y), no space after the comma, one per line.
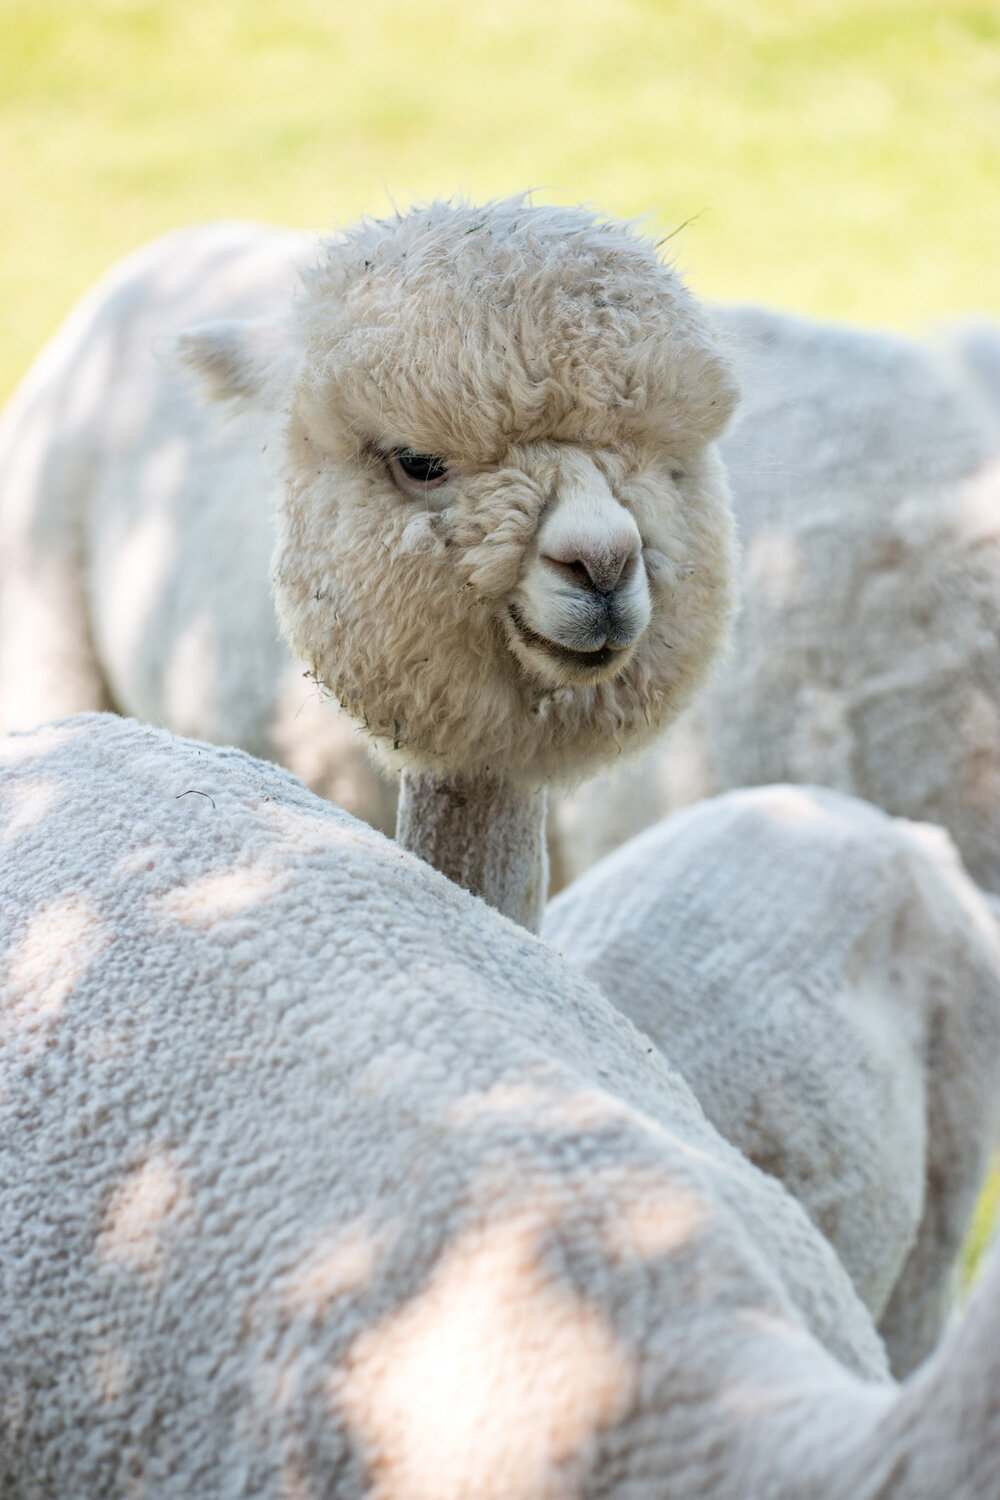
(827,980)
(974,343)
(322,1178)
(136,523)
(865,471)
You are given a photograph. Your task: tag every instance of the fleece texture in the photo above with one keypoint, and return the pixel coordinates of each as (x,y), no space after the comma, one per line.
(521,346)
(318,1173)
(975,344)
(865,471)
(322,1179)
(827,980)
(137,524)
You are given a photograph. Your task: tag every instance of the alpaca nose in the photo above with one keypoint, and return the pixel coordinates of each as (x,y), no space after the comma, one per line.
(595,569)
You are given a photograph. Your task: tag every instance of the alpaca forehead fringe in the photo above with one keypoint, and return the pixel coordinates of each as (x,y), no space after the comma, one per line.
(536,316)
(510,235)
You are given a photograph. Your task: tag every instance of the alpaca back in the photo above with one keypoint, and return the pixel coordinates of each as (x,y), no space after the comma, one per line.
(318,1172)
(827,980)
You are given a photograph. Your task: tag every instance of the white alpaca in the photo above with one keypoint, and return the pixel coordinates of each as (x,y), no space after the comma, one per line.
(446,582)
(827,981)
(136,528)
(505,541)
(321,1178)
(865,472)
(499,465)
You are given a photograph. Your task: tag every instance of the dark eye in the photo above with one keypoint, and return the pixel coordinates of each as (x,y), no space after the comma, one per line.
(423,467)
(415,472)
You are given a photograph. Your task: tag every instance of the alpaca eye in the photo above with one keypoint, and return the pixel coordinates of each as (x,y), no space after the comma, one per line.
(417,471)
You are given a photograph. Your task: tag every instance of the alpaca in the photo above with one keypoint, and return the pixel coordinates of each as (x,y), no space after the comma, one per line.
(827,981)
(865,471)
(322,1178)
(542,503)
(865,657)
(120,492)
(421,550)
(136,528)
(500,470)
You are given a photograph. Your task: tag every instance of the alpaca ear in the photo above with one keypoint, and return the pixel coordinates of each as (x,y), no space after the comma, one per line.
(237,361)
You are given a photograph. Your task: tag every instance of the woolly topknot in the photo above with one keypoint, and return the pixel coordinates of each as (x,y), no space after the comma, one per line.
(506,543)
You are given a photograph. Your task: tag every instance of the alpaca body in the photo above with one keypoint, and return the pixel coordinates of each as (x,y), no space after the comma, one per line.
(570,429)
(827,980)
(327,1179)
(322,1178)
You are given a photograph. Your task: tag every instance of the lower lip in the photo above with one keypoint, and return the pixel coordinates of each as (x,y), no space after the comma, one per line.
(586,660)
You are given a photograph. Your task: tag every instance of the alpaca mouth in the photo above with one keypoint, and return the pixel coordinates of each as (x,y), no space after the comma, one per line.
(587,661)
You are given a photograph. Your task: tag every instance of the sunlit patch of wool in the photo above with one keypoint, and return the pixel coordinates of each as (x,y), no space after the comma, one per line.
(578,1110)
(58,945)
(25,803)
(502,1098)
(979,504)
(110,1372)
(488,1382)
(794,807)
(982,908)
(345,1263)
(650,1223)
(153,1197)
(31,747)
(308,829)
(220,894)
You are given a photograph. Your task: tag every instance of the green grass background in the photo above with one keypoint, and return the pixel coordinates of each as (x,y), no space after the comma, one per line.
(841,157)
(837,156)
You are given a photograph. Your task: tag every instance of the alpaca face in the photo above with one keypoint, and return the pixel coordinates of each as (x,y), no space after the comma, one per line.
(505,544)
(582,600)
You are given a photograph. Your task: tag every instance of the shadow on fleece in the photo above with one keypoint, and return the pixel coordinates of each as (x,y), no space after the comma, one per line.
(322,1178)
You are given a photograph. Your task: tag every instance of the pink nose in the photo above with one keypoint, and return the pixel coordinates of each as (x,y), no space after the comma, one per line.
(597,570)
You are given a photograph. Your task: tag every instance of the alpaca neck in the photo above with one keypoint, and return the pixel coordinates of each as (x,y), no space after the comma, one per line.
(483,834)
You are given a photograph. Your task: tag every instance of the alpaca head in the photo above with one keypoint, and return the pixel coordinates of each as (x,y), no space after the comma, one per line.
(505,543)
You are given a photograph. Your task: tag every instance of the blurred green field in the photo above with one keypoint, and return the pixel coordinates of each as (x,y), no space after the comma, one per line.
(838,156)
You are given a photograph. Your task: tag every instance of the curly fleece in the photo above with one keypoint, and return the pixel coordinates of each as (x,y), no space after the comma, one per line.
(502,338)
(827,979)
(321,1179)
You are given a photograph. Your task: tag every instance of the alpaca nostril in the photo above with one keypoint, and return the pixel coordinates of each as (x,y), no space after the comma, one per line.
(595,571)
